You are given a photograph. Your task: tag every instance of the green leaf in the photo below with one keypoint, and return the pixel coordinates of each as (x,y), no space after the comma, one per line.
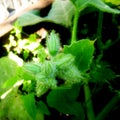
(99,4)
(29,103)
(43,107)
(101,73)
(103,7)
(68,98)
(10,82)
(11,105)
(62,12)
(25,74)
(29,18)
(115,2)
(8,69)
(33,37)
(83,51)
(15,107)
(80,4)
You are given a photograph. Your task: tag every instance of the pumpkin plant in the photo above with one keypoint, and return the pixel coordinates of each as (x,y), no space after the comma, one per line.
(30,89)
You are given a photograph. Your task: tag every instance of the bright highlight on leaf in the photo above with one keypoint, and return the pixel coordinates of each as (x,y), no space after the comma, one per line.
(114,2)
(10,90)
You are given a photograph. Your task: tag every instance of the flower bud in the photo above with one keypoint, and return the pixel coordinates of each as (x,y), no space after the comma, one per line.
(53,43)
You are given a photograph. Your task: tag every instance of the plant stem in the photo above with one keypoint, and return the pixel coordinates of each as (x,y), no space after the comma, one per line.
(108,107)
(88,101)
(75,24)
(99,30)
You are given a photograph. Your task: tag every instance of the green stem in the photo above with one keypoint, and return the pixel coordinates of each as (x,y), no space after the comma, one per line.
(99,30)
(75,24)
(88,101)
(108,108)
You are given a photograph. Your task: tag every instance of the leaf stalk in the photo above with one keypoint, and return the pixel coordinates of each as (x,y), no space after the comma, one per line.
(99,31)
(88,101)
(75,24)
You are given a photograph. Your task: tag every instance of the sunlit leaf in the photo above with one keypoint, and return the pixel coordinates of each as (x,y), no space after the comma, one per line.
(115,2)
(8,69)
(11,106)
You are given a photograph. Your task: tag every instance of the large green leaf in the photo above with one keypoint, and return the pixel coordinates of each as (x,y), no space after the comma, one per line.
(64,100)
(83,51)
(61,12)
